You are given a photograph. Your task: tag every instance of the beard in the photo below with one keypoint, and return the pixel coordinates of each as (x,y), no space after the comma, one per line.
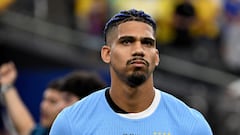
(136,79)
(138,75)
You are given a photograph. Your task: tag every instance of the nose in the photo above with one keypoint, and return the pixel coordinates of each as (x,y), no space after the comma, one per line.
(138,49)
(43,105)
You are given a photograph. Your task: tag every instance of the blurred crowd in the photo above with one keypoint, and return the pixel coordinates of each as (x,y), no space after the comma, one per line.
(205,28)
(204,32)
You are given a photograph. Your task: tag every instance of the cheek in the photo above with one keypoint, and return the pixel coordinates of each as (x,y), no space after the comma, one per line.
(60,106)
(57,107)
(119,56)
(154,60)
(118,62)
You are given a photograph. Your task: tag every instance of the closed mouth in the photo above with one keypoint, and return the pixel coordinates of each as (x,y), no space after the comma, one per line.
(137,60)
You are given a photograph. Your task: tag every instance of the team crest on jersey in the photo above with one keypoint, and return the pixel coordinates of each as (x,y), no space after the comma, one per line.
(161,133)
(154,133)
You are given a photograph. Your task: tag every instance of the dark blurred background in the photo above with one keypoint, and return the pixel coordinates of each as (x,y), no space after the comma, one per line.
(198,42)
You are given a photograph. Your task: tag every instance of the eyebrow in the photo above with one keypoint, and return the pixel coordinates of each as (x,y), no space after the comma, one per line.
(126,37)
(148,39)
(133,38)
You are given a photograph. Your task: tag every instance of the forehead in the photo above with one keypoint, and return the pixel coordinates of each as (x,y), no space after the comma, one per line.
(52,93)
(135,28)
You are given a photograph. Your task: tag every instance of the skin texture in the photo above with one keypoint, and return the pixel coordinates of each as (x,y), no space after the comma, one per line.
(132,55)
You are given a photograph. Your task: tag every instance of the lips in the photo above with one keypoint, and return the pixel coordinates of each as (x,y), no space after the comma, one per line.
(138,61)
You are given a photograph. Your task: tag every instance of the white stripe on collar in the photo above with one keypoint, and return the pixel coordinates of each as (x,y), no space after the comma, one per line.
(146,112)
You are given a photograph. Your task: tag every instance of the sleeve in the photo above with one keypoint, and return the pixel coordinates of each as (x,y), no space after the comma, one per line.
(61,125)
(201,127)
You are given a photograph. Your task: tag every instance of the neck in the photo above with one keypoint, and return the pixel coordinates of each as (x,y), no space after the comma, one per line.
(130,99)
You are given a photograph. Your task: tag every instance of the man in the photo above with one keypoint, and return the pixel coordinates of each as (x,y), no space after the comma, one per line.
(131,105)
(59,93)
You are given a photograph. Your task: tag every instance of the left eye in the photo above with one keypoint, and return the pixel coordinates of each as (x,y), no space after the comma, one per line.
(148,43)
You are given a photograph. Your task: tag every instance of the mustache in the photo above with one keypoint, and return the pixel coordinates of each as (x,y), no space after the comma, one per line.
(137,58)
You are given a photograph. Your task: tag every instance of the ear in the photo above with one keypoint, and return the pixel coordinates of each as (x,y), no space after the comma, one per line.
(105,53)
(157,58)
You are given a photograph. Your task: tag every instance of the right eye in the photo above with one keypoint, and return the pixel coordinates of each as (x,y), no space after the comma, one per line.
(126,42)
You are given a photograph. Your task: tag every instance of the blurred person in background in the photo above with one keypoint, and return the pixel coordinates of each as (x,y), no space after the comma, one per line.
(228,110)
(183,18)
(231,35)
(59,94)
(5,127)
(131,105)
(208,21)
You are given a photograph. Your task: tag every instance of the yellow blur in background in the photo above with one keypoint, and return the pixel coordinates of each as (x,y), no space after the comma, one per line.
(4,4)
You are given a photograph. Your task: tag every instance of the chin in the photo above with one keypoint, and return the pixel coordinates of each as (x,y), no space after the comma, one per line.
(136,80)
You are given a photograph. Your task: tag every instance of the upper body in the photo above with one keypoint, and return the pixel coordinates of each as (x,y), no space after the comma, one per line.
(95,116)
(132,56)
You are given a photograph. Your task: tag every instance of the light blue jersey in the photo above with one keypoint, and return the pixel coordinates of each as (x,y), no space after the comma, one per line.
(166,116)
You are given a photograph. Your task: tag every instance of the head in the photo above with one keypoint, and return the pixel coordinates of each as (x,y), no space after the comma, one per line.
(52,103)
(65,91)
(79,84)
(130,48)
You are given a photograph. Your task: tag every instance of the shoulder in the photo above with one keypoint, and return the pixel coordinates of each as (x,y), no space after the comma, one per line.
(90,99)
(185,114)
(172,103)
(87,102)
(77,114)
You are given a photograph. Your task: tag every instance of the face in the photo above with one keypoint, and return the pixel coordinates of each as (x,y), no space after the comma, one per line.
(131,52)
(52,103)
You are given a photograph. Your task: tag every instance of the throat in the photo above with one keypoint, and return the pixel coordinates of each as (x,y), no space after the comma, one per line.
(134,104)
(114,106)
